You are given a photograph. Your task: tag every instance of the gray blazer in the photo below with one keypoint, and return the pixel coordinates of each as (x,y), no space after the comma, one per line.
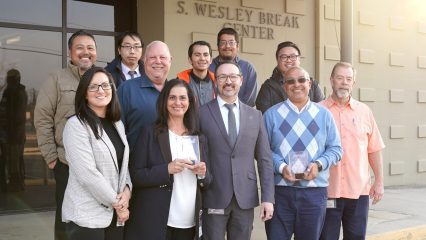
(232,167)
(94,179)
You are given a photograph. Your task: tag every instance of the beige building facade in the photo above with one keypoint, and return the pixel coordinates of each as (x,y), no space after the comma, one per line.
(384,39)
(389,53)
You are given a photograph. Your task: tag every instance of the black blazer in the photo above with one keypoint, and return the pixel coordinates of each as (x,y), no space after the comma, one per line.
(153,186)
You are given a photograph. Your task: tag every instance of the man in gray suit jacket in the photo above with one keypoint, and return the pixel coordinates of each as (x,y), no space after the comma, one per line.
(236,136)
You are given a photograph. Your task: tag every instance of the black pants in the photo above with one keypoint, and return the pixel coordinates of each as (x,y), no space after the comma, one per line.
(351,214)
(112,232)
(16,167)
(12,162)
(180,233)
(61,171)
(3,159)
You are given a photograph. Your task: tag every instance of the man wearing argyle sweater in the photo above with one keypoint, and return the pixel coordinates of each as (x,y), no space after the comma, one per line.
(299,128)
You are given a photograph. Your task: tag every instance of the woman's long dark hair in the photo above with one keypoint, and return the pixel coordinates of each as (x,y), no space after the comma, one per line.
(190,119)
(84,113)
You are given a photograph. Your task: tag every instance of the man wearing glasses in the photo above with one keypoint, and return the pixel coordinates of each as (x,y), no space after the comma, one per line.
(228,45)
(305,142)
(236,137)
(128,63)
(271,92)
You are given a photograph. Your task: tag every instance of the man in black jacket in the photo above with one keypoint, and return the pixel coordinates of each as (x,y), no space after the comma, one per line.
(13,105)
(128,64)
(272,92)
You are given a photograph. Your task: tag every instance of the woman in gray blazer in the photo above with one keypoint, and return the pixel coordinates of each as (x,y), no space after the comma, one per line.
(98,191)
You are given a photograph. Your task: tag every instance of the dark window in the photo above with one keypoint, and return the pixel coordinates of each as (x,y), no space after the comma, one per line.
(33,40)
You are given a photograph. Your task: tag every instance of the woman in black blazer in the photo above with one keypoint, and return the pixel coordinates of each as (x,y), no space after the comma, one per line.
(166,197)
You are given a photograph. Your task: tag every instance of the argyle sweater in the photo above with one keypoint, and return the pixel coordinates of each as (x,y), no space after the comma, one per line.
(313,130)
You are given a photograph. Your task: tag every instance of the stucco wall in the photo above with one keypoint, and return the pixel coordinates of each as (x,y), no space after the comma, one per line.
(389,54)
(182,29)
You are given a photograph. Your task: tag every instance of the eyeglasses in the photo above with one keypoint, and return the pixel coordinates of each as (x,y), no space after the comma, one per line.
(293,81)
(128,47)
(231,43)
(284,58)
(223,77)
(95,87)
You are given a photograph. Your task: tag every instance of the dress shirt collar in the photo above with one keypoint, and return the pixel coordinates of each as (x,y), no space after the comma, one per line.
(197,79)
(329,102)
(145,81)
(296,109)
(126,70)
(222,102)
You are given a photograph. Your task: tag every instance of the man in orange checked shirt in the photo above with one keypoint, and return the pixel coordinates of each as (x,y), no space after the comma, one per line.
(349,183)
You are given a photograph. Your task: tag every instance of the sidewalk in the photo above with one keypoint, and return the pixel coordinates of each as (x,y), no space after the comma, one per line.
(400,215)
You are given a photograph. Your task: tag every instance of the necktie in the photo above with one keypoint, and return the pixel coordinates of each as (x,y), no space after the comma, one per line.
(232,125)
(132,74)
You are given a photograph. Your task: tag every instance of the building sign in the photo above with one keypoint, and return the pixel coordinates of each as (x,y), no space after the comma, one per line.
(248,22)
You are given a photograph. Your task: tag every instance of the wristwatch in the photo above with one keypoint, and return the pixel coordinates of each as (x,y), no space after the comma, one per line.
(318,163)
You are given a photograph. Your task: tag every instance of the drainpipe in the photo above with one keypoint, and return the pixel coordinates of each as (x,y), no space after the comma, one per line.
(346,30)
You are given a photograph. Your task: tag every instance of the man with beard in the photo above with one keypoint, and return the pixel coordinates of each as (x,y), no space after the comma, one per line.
(350,187)
(55,104)
(271,92)
(128,64)
(236,137)
(228,44)
(305,143)
(200,78)
(138,98)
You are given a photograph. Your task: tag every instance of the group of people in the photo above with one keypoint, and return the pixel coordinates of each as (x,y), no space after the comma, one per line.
(139,156)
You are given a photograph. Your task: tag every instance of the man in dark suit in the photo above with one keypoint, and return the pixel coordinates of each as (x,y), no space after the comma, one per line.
(236,136)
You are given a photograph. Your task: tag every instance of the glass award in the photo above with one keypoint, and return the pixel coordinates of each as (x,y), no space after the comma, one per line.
(190,149)
(298,163)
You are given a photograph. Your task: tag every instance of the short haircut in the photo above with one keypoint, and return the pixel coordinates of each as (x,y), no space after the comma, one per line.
(229,31)
(286,44)
(78,34)
(342,65)
(13,76)
(84,113)
(149,46)
(198,43)
(133,35)
(190,119)
(228,62)
(292,69)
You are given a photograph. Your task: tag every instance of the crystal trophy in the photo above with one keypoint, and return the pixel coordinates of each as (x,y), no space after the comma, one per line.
(298,163)
(191,148)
